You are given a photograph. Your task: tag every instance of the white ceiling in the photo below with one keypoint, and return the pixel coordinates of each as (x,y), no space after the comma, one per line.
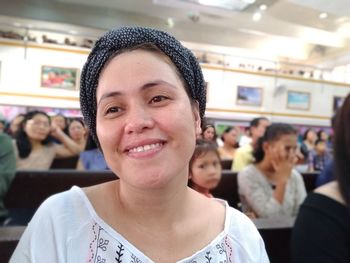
(288,28)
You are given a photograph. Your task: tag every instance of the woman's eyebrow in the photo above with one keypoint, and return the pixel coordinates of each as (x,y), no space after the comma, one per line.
(143,87)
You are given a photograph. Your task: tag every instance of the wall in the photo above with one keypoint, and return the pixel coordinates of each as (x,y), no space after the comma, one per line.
(20,84)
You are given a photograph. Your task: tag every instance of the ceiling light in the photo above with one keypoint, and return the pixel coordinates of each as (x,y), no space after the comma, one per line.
(263,7)
(257,16)
(323,15)
(231,5)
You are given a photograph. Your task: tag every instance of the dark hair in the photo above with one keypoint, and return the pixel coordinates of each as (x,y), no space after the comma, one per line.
(227,130)
(319,140)
(22,141)
(90,144)
(342,149)
(306,133)
(202,147)
(207,126)
(256,121)
(319,133)
(272,133)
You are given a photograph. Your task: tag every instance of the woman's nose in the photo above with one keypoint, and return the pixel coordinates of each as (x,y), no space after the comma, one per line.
(138,119)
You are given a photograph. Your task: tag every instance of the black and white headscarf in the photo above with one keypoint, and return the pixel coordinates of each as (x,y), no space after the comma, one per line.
(128,37)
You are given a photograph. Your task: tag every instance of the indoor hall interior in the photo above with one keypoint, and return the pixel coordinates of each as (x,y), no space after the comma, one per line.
(286,60)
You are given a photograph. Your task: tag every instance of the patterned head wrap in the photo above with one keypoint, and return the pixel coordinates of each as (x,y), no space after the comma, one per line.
(128,37)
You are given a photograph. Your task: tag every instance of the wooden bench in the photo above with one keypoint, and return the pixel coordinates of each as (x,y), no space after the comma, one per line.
(276,233)
(9,237)
(30,188)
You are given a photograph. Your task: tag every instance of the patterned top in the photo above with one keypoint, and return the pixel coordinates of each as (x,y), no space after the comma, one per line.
(256,194)
(66,228)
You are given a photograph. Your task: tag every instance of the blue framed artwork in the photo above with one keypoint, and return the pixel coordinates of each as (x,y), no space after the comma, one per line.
(298,100)
(250,96)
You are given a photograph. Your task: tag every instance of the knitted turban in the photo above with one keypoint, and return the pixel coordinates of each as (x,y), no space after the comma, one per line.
(128,37)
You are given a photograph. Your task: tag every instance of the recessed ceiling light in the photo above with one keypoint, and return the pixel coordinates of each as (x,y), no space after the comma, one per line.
(257,16)
(263,7)
(170,22)
(323,15)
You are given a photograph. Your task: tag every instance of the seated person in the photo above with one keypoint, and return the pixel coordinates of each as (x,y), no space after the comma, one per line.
(33,144)
(7,171)
(229,137)
(321,232)
(92,158)
(271,187)
(318,157)
(205,168)
(244,154)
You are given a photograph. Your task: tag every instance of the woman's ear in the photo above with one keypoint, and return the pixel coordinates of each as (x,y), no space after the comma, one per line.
(266,146)
(197,118)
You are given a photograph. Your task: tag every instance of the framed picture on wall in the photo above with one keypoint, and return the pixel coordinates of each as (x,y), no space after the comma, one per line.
(298,100)
(337,103)
(251,96)
(59,77)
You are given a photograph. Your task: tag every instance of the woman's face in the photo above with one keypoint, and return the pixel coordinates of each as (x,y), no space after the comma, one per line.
(145,122)
(231,137)
(209,134)
(76,130)
(59,121)
(37,128)
(311,136)
(285,147)
(206,171)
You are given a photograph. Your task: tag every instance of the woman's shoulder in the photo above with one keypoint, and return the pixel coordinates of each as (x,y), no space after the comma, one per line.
(245,235)
(331,190)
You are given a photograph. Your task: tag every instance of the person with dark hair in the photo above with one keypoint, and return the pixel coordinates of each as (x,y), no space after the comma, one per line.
(77,132)
(244,154)
(318,157)
(33,144)
(14,125)
(142,96)
(322,229)
(308,144)
(209,133)
(205,168)
(91,158)
(7,171)
(229,137)
(271,187)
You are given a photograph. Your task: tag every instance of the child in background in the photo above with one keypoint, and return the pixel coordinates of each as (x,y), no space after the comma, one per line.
(318,157)
(205,168)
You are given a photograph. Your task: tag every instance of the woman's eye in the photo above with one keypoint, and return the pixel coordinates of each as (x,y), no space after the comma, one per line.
(112,110)
(158,99)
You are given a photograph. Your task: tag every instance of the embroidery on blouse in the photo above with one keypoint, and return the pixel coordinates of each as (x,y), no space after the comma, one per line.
(104,248)
(228,249)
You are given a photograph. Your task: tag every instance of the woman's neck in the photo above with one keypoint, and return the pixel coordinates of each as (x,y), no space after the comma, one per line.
(36,145)
(266,168)
(151,207)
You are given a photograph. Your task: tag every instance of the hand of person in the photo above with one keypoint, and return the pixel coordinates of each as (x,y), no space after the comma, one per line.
(283,163)
(56,131)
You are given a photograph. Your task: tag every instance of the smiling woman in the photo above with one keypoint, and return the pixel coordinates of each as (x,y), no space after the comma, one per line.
(143,98)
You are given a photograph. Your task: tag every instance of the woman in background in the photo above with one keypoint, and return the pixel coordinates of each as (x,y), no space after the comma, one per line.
(205,168)
(34,146)
(77,131)
(322,230)
(229,137)
(91,158)
(209,133)
(271,187)
(308,143)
